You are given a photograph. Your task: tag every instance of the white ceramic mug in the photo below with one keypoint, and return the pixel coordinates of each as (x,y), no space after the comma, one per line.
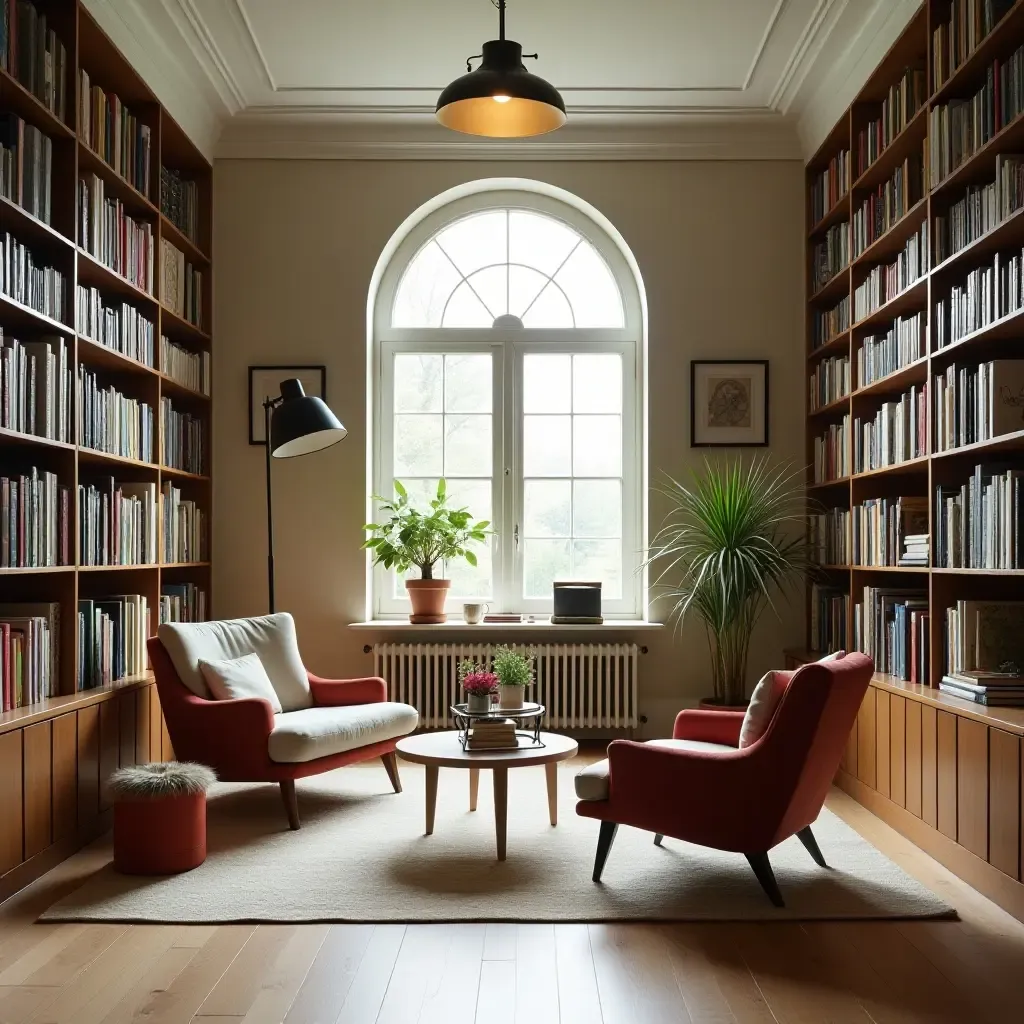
(474,612)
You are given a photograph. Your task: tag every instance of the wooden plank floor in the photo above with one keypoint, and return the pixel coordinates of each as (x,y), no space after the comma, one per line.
(966,971)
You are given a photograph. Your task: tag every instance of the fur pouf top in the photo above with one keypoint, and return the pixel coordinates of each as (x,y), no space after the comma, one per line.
(154,781)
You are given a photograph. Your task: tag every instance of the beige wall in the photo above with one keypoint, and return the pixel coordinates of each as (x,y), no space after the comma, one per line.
(719,246)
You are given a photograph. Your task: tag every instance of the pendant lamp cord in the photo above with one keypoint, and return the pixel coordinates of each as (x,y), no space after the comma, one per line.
(500,4)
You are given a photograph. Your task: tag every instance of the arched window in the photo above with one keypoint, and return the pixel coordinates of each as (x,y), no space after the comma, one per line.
(507,348)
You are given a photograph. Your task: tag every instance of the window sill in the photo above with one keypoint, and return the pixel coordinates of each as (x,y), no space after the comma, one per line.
(540,625)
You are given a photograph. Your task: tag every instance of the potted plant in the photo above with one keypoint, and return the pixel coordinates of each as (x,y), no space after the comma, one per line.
(409,537)
(479,684)
(731,541)
(514,670)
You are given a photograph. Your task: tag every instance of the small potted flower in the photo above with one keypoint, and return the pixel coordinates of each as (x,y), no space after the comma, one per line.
(480,686)
(514,670)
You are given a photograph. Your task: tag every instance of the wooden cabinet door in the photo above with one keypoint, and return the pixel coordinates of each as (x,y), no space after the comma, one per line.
(1004,779)
(912,771)
(897,749)
(945,747)
(866,739)
(88,764)
(972,786)
(929,766)
(110,746)
(38,753)
(65,776)
(11,801)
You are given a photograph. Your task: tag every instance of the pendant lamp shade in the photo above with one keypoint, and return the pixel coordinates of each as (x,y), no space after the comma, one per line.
(501,99)
(302,424)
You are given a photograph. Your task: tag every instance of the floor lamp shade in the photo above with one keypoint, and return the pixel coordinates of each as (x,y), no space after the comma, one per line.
(302,424)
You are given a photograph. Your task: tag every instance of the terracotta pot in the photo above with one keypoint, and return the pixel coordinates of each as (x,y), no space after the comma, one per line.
(714,704)
(427,597)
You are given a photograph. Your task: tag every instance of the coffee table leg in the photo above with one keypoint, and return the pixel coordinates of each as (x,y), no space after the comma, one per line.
(432,770)
(474,787)
(500,808)
(551,772)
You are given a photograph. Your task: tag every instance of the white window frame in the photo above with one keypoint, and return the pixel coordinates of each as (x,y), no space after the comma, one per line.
(509,344)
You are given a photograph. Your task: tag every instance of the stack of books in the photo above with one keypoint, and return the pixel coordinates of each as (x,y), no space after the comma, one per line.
(902,102)
(954,40)
(109,129)
(26,165)
(37,285)
(979,525)
(829,324)
(112,635)
(490,734)
(503,617)
(898,432)
(830,185)
(832,452)
(179,202)
(182,602)
(882,354)
(888,626)
(110,235)
(29,653)
(116,324)
(985,636)
(831,255)
(982,208)
(915,549)
(32,52)
(829,608)
(885,282)
(883,526)
(993,689)
(979,403)
(181,289)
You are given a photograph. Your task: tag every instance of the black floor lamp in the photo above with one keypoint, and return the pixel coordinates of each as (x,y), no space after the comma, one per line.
(297,424)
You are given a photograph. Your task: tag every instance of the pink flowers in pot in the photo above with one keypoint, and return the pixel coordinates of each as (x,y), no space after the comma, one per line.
(480,682)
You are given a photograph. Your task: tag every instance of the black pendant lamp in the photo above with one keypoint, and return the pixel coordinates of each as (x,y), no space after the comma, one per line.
(501,99)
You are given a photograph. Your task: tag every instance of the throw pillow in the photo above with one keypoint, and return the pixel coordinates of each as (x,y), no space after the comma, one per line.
(240,677)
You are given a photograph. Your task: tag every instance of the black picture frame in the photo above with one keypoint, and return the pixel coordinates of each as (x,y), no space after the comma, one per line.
(753,434)
(314,381)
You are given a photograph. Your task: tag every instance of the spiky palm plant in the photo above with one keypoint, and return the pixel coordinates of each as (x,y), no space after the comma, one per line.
(731,541)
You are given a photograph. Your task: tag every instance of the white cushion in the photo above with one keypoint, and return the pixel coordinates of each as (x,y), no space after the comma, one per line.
(305,735)
(239,678)
(272,637)
(592,782)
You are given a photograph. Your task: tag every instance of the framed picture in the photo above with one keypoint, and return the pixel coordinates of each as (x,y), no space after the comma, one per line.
(265,382)
(728,403)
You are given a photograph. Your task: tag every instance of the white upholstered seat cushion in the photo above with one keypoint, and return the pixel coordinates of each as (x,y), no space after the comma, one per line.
(305,735)
(272,637)
(592,782)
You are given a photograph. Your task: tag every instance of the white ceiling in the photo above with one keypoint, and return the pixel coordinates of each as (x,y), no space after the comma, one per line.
(651,67)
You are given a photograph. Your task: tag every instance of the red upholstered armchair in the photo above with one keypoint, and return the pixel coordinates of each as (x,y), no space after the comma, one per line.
(325,723)
(699,787)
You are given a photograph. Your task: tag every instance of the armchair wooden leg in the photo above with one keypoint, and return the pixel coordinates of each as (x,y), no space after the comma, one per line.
(604,846)
(763,870)
(391,767)
(658,838)
(291,803)
(806,836)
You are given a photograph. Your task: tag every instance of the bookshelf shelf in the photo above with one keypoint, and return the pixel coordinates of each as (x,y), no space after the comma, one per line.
(834,346)
(97,274)
(115,186)
(31,229)
(833,290)
(18,438)
(834,216)
(840,405)
(910,300)
(1007,232)
(978,572)
(897,381)
(138,567)
(982,162)
(181,474)
(96,354)
(825,484)
(907,143)
(37,570)
(184,565)
(1002,443)
(106,458)
(890,568)
(16,314)
(911,466)
(178,390)
(178,328)
(178,238)
(17,99)
(889,245)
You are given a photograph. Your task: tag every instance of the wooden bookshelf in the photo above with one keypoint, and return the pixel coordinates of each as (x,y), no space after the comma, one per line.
(89,733)
(908,732)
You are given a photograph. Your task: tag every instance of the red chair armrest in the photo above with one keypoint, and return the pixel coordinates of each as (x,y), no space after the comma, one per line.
(225,734)
(334,693)
(709,726)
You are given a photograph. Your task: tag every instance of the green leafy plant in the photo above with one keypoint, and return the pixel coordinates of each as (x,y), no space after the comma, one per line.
(731,541)
(410,537)
(512,667)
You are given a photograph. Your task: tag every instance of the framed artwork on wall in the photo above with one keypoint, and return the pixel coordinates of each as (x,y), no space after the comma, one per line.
(265,382)
(728,403)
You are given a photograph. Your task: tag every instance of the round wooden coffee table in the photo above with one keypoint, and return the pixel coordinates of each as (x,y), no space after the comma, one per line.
(435,750)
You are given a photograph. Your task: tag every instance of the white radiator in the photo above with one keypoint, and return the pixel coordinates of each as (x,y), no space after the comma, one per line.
(584,686)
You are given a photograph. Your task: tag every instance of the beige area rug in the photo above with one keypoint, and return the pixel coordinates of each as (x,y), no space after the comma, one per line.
(361,856)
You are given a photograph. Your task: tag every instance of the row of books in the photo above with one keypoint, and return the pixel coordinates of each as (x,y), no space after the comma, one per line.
(982,208)
(831,255)
(183,439)
(179,202)
(958,129)
(29,653)
(110,235)
(31,51)
(830,381)
(830,323)
(108,128)
(887,204)
(33,284)
(897,433)
(991,689)
(829,536)
(953,41)
(886,282)
(985,636)
(881,354)
(182,284)
(26,166)
(978,403)
(35,387)
(117,523)
(889,531)
(183,602)
(118,325)
(35,518)
(980,524)
(111,422)
(190,369)
(829,610)
(832,452)
(903,100)
(185,527)
(987,294)
(112,634)
(890,625)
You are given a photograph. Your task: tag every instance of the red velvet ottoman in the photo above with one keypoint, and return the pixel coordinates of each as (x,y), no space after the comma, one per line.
(160,817)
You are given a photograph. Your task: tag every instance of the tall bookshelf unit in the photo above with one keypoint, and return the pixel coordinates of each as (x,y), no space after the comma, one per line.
(55,753)
(946,772)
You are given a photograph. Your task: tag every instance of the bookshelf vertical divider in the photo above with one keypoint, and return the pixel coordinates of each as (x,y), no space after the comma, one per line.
(88,731)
